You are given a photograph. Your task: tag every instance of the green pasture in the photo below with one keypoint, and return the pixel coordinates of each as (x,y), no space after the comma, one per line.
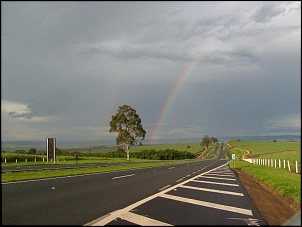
(270,150)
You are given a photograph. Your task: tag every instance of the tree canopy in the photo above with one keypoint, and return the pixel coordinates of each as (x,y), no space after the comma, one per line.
(129,127)
(207,141)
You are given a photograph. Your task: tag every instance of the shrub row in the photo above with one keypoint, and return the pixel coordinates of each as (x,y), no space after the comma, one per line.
(167,154)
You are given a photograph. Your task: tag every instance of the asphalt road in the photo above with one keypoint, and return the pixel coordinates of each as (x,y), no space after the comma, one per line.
(168,195)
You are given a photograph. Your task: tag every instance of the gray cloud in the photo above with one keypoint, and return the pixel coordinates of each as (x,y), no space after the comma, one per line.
(267,11)
(229,68)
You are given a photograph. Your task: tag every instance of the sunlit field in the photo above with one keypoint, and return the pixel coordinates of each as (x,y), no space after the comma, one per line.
(268,149)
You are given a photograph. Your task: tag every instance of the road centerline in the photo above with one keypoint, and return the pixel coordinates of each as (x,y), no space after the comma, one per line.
(130,175)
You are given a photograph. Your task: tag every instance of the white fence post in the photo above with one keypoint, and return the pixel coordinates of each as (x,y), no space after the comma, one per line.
(279,163)
(297,167)
(35,159)
(26,160)
(275,163)
(5,160)
(43,159)
(16,160)
(272,162)
(284,163)
(288,165)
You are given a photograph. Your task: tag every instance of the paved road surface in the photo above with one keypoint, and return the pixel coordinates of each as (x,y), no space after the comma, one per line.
(200,193)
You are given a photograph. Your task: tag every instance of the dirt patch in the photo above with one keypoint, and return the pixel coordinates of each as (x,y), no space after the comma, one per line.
(274,208)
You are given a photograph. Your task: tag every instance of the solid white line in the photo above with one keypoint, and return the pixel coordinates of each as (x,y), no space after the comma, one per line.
(123,176)
(221,174)
(212,190)
(212,182)
(171,167)
(142,220)
(207,204)
(218,178)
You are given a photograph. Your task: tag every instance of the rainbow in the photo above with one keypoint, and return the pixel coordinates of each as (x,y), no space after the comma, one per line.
(177,85)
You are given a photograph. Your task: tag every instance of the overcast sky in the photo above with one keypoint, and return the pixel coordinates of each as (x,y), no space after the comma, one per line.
(187,68)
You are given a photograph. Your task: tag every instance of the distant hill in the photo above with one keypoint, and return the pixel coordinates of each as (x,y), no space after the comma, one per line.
(62,144)
(263,138)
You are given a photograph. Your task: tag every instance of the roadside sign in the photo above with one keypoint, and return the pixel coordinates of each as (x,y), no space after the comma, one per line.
(233,156)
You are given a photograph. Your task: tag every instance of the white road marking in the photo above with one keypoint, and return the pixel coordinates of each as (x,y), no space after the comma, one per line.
(207,204)
(171,167)
(130,175)
(115,214)
(165,187)
(218,178)
(212,182)
(220,174)
(212,190)
(142,220)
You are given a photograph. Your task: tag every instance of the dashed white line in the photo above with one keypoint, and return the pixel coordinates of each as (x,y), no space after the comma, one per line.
(163,188)
(130,175)
(179,179)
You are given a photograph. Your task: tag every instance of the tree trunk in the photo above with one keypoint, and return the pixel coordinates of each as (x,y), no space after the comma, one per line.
(127,152)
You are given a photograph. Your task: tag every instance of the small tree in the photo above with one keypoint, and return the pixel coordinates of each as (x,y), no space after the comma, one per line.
(129,127)
(32,151)
(206,141)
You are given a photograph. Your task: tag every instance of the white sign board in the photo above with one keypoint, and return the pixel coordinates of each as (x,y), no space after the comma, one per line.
(233,156)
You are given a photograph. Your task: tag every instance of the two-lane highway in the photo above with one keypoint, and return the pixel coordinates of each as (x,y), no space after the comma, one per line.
(84,199)
(77,200)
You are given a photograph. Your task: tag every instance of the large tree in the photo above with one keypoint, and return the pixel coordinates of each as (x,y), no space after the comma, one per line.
(129,127)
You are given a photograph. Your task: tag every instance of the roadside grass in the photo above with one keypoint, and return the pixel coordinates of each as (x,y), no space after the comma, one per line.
(82,160)
(286,183)
(41,174)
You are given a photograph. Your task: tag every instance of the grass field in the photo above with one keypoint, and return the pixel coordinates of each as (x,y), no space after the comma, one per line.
(271,150)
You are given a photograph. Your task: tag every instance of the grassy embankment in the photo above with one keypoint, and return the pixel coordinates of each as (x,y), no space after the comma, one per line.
(285,182)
